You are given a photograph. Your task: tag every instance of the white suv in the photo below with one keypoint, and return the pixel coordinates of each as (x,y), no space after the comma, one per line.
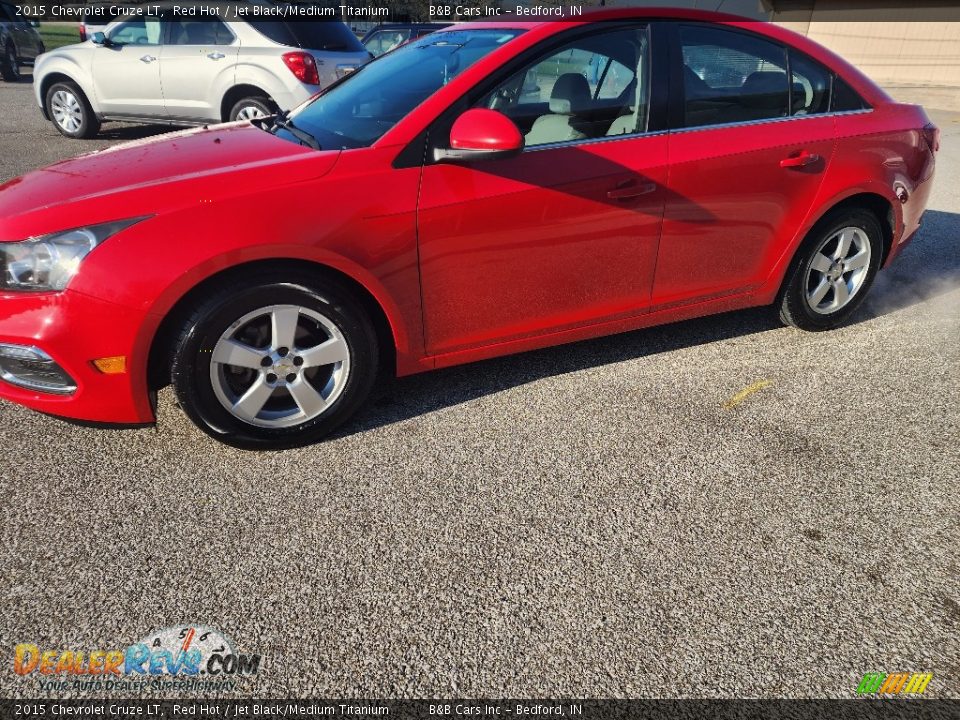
(185,72)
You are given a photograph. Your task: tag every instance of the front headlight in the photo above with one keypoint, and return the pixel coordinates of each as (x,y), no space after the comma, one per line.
(48,262)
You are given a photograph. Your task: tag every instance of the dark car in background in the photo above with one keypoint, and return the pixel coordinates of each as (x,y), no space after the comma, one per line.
(384,38)
(20,43)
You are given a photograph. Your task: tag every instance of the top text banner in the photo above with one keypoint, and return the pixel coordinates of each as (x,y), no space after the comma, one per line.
(391,11)
(388,11)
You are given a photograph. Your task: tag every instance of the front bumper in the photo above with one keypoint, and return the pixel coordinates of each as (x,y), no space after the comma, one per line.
(74,330)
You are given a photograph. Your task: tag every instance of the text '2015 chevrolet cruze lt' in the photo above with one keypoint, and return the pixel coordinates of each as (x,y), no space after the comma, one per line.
(488,189)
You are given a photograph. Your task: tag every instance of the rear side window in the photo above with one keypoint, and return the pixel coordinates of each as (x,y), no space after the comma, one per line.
(731,77)
(201,32)
(844,97)
(810,87)
(309,35)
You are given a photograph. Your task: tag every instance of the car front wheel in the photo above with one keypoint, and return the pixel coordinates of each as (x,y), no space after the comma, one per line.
(70,111)
(10,67)
(251,108)
(833,271)
(278,364)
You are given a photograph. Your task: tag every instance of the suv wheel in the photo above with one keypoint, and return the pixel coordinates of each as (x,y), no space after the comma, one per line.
(275,364)
(833,271)
(9,67)
(70,111)
(251,108)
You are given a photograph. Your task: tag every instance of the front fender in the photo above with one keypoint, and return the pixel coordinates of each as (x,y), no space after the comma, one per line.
(74,66)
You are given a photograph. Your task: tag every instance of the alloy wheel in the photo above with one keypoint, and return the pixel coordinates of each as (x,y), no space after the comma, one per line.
(280,366)
(251,112)
(838,270)
(67,111)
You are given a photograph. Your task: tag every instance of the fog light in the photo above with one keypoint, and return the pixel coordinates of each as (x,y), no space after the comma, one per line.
(32,368)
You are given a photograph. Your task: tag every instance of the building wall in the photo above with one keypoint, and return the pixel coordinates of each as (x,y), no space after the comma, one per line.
(892,42)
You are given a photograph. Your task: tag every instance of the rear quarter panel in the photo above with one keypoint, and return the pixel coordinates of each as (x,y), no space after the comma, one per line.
(877,151)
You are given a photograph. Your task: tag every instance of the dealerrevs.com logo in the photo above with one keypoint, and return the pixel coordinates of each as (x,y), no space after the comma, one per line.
(183,658)
(894,683)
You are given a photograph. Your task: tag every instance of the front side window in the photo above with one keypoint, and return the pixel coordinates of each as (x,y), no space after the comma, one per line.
(731,77)
(136,32)
(595,86)
(359,110)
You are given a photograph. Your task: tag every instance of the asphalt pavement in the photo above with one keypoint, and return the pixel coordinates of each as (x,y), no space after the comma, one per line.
(600,519)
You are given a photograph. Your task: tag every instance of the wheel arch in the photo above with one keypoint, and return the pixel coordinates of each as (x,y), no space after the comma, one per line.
(882,207)
(237,93)
(161,344)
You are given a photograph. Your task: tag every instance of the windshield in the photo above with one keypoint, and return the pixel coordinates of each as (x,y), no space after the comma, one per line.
(359,110)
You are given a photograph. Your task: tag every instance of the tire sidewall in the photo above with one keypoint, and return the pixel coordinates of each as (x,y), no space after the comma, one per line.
(193,357)
(796,291)
(259,102)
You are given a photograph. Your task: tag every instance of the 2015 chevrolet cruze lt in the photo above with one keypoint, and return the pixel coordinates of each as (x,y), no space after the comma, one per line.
(488,189)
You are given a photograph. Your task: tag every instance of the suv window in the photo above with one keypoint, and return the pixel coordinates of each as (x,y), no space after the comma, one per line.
(136,32)
(309,35)
(595,86)
(203,32)
(731,76)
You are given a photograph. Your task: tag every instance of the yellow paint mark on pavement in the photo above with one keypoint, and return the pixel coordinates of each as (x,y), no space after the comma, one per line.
(745,393)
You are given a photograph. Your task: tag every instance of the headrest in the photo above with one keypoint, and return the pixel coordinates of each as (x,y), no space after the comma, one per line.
(765,90)
(570,95)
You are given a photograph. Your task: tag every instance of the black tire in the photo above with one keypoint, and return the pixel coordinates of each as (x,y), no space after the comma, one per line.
(259,103)
(89,124)
(9,65)
(794,306)
(193,378)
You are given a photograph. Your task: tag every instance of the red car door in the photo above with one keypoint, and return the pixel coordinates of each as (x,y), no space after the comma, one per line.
(564,234)
(745,164)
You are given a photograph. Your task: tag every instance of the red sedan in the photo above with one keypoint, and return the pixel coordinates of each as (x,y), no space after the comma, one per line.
(485,190)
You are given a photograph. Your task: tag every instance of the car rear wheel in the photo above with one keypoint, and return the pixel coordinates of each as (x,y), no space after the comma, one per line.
(70,111)
(833,271)
(251,108)
(276,364)
(10,67)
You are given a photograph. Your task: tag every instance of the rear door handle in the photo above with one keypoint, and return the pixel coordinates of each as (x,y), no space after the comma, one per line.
(216,55)
(147,59)
(799,160)
(631,189)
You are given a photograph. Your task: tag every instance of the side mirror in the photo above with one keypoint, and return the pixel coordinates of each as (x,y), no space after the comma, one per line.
(481,134)
(98,38)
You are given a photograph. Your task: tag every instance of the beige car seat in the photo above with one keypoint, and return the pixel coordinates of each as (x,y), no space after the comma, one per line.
(569,98)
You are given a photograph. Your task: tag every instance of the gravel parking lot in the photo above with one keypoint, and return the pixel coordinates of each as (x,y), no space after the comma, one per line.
(590,520)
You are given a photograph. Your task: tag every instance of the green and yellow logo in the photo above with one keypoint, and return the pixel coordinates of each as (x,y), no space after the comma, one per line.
(894,683)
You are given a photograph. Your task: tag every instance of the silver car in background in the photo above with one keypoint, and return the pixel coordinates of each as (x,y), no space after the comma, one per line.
(187,72)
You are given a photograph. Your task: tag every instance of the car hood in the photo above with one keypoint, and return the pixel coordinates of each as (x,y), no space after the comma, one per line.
(157,173)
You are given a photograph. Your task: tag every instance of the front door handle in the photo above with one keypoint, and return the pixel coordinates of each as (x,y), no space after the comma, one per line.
(631,189)
(800,160)
(216,55)
(147,59)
